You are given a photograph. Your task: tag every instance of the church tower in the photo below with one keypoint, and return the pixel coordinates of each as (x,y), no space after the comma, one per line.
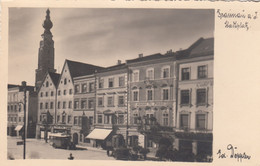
(46,52)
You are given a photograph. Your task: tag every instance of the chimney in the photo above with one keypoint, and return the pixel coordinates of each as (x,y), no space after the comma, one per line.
(141,55)
(168,52)
(118,62)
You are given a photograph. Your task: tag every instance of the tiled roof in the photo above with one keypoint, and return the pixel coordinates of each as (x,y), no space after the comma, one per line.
(55,78)
(80,69)
(146,58)
(112,68)
(201,47)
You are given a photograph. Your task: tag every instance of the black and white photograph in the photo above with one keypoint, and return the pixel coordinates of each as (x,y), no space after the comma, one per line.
(110,84)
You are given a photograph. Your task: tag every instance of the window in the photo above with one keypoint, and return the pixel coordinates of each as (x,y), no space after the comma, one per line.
(41,105)
(64,92)
(75,120)
(101,83)
(65,81)
(184,121)
(46,94)
(63,118)
(84,88)
(91,87)
(15,120)
(135,95)
(110,101)
(58,92)
(91,120)
(150,94)
(51,106)
(76,104)
(120,119)
(149,118)
(99,118)
(185,73)
(83,104)
(20,119)
(121,101)
(100,101)
(90,104)
(166,72)
(70,104)
(46,105)
(200,121)
(64,105)
(58,105)
(121,81)
(150,74)
(15,107)
(69,118)
(185,97)
(47,84)
(165,94)
(135,76)
(51,93)
(107,119)
(111,82)
(58,118)
(150,143)
(202,72)
(76,88)
(70,91)
(201,96)
(80,121)
(135,118)
(165,119)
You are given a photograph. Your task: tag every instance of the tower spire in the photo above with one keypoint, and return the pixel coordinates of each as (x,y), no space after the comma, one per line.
(47,24)
(46,52)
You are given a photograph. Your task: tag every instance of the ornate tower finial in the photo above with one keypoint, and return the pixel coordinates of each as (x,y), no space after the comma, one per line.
(47,24)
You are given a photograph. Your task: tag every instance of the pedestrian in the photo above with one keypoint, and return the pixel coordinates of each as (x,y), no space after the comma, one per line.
(70,157)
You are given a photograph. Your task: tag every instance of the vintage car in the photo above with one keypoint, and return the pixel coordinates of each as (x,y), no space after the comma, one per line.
(60,140)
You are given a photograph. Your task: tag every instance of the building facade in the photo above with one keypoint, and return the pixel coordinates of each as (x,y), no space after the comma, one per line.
(195,98)
(15,110)
(84,108)
(152,97)
(111,103)
(47,105)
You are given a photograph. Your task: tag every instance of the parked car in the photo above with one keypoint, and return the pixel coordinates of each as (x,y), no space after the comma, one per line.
(59,140)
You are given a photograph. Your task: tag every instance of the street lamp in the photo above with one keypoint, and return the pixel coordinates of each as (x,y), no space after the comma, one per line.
(24,132)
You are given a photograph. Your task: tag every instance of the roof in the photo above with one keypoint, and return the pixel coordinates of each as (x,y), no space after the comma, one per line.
(80,69)
(202,47)
(55,78)
(112,68)
(145,58)
(99,134)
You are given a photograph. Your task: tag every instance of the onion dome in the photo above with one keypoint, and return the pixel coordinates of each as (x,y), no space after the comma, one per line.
(47,24)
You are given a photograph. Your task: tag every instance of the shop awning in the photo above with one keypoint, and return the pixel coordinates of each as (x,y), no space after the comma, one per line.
(100,134)
(18,127)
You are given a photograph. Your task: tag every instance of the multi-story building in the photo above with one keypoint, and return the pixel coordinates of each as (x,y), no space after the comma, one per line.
(84,107)
(68,112)
(195,97)
(15,110)
(47,105)
(111,105)
(152,96)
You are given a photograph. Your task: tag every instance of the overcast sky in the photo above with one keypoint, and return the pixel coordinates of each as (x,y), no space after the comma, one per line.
(100,36)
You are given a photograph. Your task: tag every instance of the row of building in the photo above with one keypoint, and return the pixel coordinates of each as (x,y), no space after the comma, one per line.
(96,104)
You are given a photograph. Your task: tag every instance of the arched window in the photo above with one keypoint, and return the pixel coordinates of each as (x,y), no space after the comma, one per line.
(47,83)
(65,81)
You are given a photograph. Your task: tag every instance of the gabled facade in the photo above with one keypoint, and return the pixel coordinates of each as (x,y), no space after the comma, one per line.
(47,104)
